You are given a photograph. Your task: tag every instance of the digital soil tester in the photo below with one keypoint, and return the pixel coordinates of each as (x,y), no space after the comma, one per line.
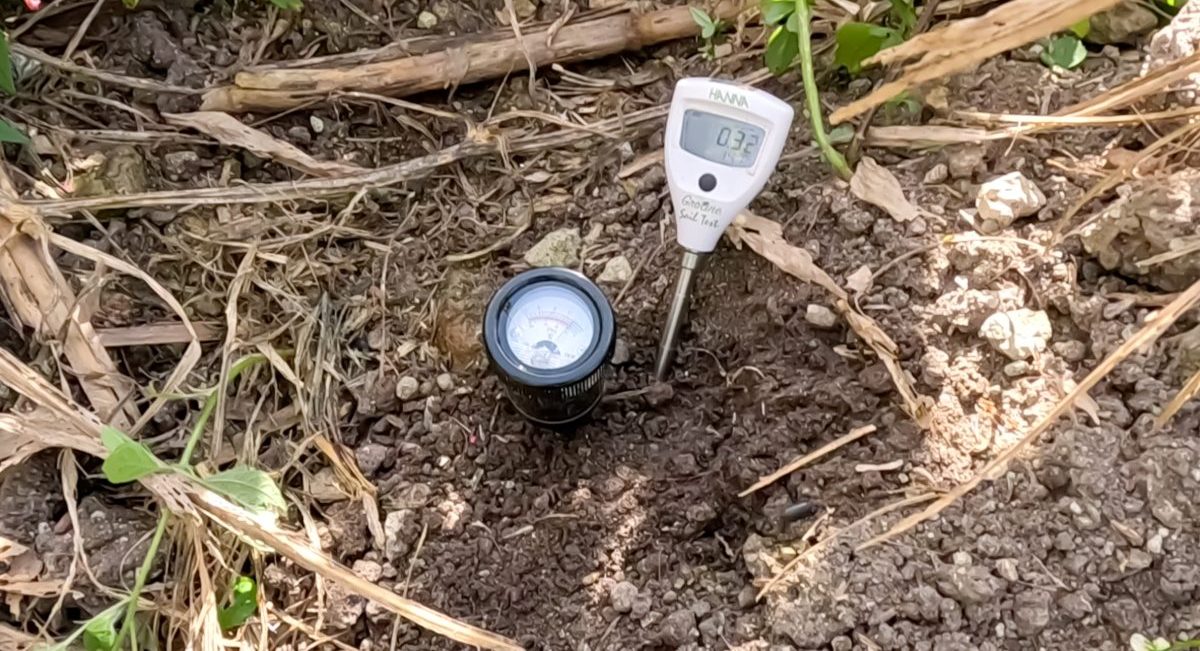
(722,142)
(549,333)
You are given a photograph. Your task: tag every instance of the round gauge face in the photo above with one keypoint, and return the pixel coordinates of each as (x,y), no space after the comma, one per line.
(550,326)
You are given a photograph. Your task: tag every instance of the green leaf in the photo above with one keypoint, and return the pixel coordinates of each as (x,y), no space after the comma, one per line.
(782,48)
(99,634)
(9,133)
(245,604)
(905,16)
(857,42)
(6,76)
(248,486)
(1082,28)
(288,5)
(701,18)
(777,11)
(1064,51)
(841,134)
(127,459)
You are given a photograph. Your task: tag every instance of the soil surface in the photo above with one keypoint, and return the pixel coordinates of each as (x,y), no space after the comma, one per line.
(628,533)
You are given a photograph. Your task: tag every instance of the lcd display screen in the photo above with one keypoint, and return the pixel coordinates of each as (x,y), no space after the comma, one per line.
(720,139)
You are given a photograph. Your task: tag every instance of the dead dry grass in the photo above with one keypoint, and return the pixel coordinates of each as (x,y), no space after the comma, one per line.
(211,535)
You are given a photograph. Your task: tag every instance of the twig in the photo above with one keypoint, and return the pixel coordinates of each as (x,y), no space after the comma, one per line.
(498,244)
(1186,393)
(1152,330)
(515,24)
(83,28)
(383,176)
(636,272)
(157,334)
(824,542)
(109,77)
(800,462)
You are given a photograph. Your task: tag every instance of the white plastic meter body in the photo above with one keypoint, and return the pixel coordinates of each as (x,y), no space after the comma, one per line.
(722,142)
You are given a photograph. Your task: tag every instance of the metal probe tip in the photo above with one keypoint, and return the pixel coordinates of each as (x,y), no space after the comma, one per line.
(678,314)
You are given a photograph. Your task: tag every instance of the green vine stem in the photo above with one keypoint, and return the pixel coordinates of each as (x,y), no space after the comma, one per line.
(210,405)
(139,583)
(804,34)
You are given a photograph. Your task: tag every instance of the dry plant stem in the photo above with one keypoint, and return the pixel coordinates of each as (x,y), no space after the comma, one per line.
(348,184)
(960,44)
(1186,393)
(210,403)
(108,77)
(459,61)
(1154,328)
(1117,177)
(824,542)
(240,521)
(812,95)
(58,421)
(82,30)
(799,463)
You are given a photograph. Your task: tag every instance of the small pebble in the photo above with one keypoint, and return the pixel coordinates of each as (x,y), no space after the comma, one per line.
(317,124)
(1007,569)
(445,381)
(820,316)
(747,597)
(1017,368)
(1155,543)
(937,174)
(407,387)
(622,596)
(616,271)
(426,20)
(620,352)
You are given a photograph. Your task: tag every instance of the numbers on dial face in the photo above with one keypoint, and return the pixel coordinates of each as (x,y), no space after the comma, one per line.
(550,327)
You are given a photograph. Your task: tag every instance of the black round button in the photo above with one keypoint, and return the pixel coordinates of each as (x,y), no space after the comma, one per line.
(707,182)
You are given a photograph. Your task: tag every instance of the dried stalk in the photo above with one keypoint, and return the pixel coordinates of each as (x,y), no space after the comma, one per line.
(961,44)
(800,462)
(1152,330)
(350,183)
(65,424)
(483,56)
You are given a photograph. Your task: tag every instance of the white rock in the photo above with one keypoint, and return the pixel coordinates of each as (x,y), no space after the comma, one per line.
(1019,334)
(1005,199)
(317,124)
(407,387)
(558,249)
(368,570)
(620,352)
(622,596)
(394,528)
(820,316)
(427,20)
(1017,368)
(445,381)
(616,271)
